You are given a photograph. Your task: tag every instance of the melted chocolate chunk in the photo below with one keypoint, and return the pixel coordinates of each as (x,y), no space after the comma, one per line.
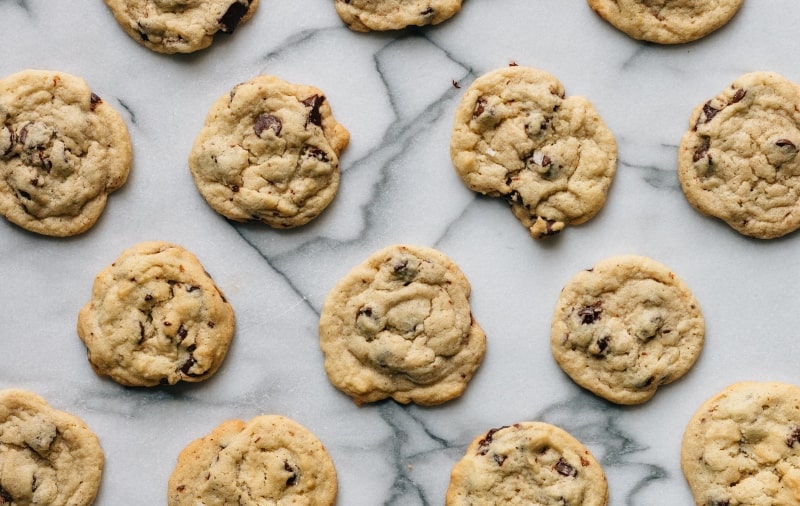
(141,333)
(702,150)
(709,112)
(480,107)
(602,344)
(563,468)
(24,194)
(314,102)
(94,100)
(739,95)
(365,311)
(234,14)
(591,313)
(499,459)
(793,438)
(182,333)
(265,121)
(291,480)
(312,152)
(483,444)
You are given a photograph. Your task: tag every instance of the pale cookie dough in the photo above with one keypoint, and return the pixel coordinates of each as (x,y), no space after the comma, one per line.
(47,456)
(179,26)
(270,460)
(738,161)
(626,327)
(517,136)
(742,447)
(156,318)
(529,463)
(381,15)
(666,21)
(269,151)
(399,325)
(62,151)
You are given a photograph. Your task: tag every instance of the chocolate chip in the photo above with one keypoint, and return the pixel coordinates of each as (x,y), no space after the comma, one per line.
(192,288)
(182,333)
(784,143)
(366,311)
(793,438)
(235,188)
(513,197)
(427,12)
(94,100)
(190,362)
(483,444)
(141,333)
(265,121)
(591,313)
(709,112)
(24,194)
(480,107)
(291,480)
(312,152)
(234,14)
(701,150)
(499,459)
(602,344)
(563,468)
(722,502)
(739,95)
(314,102)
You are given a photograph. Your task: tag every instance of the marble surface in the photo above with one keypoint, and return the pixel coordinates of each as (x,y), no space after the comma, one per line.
(395,93)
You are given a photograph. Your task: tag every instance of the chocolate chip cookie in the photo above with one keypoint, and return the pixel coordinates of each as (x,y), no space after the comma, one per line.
(63,149)
(516,135)
(381,15)
(399,325)
(626,327)
(527,463)
(738,160)
(269,151)
(742,446)
(666,21)
(156,318)
(179,26)
(47,456)
(268,460)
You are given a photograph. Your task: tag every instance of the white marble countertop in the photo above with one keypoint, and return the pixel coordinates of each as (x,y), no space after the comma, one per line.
(395,93)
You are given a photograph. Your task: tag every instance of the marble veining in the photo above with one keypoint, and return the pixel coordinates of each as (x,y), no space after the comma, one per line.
(396,92)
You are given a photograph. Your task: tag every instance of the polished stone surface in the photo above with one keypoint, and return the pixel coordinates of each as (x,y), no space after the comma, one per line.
(395,92)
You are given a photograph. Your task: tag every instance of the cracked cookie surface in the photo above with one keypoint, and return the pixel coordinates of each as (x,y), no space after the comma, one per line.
(399,325)
(179,26)
(738,160)
(382,15)
(666,21)
(62,151)
(527,463)
(267,460)
(47,456)
(625,327)
(269,151)
(742,446)
(517,136)
(156,318)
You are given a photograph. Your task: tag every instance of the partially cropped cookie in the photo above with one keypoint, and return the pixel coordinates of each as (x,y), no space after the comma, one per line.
(742,446)
(179,26)
(47,456)
(381,15)
(268,460)
(666,21)
(62,151)
(625,327)
(156,318)
(738,161)
(269,151)
(527,463)
(516,135)
(399,325)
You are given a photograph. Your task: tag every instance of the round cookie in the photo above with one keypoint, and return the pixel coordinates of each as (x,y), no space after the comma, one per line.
(268,460)
(382,15)
(626,327)
(399,325)
(738,160)
(156,318)
(666,21)
(517,136)
(47,456)
(62,151)
(742,446)
(527,463)
(179,26)
(269,151)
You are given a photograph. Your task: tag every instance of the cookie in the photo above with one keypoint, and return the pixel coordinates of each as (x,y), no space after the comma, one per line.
(47,456)
(268,460)
(179,26)
(666,21)
(156,318)
(382,15)
(269,151)
(517,136)
(742,446)
(527,463)
(738,161)
(62,151)
(626,327)
(399,325)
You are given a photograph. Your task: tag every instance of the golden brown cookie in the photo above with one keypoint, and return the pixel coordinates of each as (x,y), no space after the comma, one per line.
(399,325)
(155,318)
(382,15)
